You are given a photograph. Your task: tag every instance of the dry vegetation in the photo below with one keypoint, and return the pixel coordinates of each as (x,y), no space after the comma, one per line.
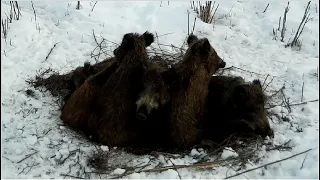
(295,43)
(205,11)
(13,14)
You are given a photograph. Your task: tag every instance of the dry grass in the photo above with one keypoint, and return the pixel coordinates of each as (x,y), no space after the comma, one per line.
(13,14)
(205,11)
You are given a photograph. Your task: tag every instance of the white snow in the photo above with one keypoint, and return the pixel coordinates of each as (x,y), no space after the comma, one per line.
(119,171)
(228,152)
(58,155)
(31,140)
(46,140)
(64,152)
(241,35)
(194,152)
(104,148)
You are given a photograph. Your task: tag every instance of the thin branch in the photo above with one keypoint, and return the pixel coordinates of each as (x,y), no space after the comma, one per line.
(268,84)
(265,80)
(279,23)
(283,87)
(303,22)
(214,13)
(8,159)
(50,51)
(194,25)
(204,164)
(67,175)
(188,21)
(34,12)
(27,156)
(303,161)
(274,162)
(284,22)
(302,91)
(284,146)
(78,5)
(266,8)
(94,6)
(316,100)
(174,166)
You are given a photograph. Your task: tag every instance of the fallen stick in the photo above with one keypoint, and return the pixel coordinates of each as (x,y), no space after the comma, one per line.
(50,51)
(204,164)
(316,100)
(27,156)
(274,162)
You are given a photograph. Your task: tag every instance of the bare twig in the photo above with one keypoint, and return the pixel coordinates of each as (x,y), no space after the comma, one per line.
(70,154)
(50,51)
(302,91)
(34,12)
(28,166)
(266,8)
(265,80)
(5,27)
(174,166)
(283,87)
(94,6)
(251,72)
(316,100)
(303,161)
(27,156)
(188,21)
(268,84)
(194,25)
(304,20)
(279,23)
(274,162)
(78,5)
(8,159)
(286,101)
(33,164)
(67,175)
(284,22)
(214,14)
(221,146)
(284,146)
(205,11)
(231,9)
(204,164)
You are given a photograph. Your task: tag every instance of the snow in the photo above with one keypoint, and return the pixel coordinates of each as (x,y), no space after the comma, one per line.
(241,35)
(104,148)
(31,140)
(228,152)
(119,171)
(194,152)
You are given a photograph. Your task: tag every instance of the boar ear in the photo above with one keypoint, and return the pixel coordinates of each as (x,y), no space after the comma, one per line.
(205,47)
(257,83)
(116,51)
(127,43)
(149,38)
(192,38)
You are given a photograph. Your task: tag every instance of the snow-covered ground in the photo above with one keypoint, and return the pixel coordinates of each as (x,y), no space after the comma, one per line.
(34,139)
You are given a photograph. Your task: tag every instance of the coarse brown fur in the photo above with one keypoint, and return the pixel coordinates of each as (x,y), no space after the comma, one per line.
(155,93)
(105,104)
(63,85)
(235,107)
(80,74)
(189,91)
